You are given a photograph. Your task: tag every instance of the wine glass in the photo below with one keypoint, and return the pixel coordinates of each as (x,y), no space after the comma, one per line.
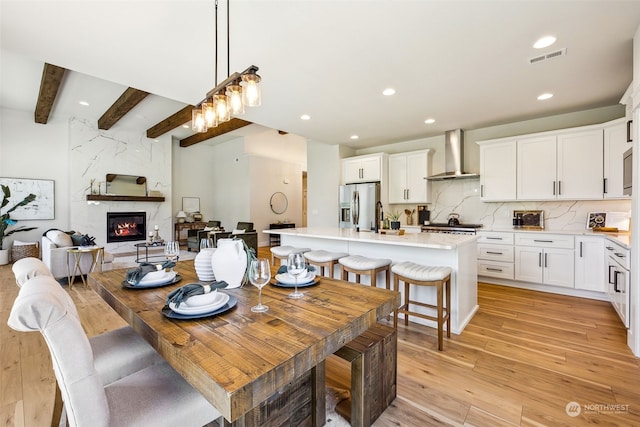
(171,251)
(259,275)
(296,265)
(206,243)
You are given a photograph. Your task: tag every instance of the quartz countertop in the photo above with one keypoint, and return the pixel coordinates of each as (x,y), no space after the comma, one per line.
(423,240)
(623,238)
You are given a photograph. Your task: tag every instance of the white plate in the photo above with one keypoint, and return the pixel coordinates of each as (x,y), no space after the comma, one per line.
(157,278)
(221,300)
(288,279)
(203,299)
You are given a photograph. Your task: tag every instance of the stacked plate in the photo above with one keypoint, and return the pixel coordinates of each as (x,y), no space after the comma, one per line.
(201,304)
(157,278)
(287,279)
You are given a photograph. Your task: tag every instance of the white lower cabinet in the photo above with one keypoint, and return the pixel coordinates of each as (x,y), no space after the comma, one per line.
(545,259)
(495,255)
(590,260)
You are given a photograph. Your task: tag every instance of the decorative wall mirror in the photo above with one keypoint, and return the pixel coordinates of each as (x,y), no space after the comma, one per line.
(278,202)
(126,185)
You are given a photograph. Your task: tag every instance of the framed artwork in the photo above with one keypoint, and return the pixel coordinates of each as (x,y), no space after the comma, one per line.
(41,208)
(191,204)
(596,219)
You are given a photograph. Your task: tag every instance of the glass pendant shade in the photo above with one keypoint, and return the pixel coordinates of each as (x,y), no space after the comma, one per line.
(209,114)
(222,108)
(251,90)
(197,121)
(234,97)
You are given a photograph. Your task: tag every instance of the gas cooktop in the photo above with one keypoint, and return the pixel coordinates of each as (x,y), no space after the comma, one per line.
(446,225)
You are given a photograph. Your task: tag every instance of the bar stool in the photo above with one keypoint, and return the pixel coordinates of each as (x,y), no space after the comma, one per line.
(324,259)
(282,252)
(359,265)
(422,275)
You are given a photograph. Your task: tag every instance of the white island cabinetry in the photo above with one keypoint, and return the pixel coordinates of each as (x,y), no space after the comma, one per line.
(452,250)
(495,254)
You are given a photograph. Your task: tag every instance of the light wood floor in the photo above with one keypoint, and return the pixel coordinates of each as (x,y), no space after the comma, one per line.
(521,360)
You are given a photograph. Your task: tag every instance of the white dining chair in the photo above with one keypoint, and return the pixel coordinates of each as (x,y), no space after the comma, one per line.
(156,395)
(116,353)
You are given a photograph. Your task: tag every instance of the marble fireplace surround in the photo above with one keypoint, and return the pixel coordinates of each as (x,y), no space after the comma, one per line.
(93,154)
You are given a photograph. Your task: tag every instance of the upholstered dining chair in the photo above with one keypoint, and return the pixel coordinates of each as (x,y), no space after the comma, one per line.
(116,353)
(156,395)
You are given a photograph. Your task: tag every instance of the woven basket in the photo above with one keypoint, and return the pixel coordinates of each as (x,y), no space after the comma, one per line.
(25,251)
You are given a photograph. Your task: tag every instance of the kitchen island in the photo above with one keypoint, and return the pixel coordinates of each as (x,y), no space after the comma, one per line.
(452,250)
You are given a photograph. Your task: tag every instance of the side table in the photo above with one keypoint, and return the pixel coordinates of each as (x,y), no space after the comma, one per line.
(146,247)
(96,252)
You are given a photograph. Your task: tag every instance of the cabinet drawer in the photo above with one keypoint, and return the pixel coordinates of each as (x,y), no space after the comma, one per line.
(501,270)
(541,240)
(495,252)
(497,238)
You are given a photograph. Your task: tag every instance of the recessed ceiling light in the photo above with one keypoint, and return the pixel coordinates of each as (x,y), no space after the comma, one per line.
(305,117)
(545,41)
(354,137)
(545,96)
(85,103)
(389,91)
(430,121)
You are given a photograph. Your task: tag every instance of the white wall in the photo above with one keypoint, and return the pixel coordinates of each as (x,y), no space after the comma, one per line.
(323,179)
(31,150)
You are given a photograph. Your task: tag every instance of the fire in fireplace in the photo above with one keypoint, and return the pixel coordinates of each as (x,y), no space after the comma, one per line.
(126,226)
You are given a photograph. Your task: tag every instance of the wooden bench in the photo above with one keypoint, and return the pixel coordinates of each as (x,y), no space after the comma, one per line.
(373,358)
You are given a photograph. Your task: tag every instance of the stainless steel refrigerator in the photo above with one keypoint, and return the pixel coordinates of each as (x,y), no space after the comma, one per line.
(358,204)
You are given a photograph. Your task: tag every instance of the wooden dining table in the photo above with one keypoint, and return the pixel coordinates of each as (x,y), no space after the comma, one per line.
(255,368)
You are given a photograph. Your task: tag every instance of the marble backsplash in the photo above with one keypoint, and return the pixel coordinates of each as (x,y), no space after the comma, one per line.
(93,154)
(463,197)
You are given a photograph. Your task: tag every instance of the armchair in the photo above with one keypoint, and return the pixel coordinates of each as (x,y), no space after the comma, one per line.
(54,255)
(194,236)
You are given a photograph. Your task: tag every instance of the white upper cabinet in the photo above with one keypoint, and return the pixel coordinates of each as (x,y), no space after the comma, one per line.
(580,170)
(408,174)
(615,144)
(536,177)
(497,170)
(567,166)
(362,169)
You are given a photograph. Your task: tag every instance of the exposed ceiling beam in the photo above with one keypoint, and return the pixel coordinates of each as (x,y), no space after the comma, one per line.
(129,99)
(49,85)
(177,119)
(221,129)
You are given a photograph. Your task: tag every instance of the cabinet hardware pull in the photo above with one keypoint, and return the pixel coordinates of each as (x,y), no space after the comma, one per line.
(554,188)
(604,186)
(545,260)
(542,241)
(615,281)
(609,248)
(494,269)
(580,249)
(618,254)
(559,188)
(482,190)
(494,238)
(629,138)
(539,259)
(494,253)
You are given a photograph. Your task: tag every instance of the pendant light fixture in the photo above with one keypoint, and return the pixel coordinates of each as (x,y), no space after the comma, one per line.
(229,97)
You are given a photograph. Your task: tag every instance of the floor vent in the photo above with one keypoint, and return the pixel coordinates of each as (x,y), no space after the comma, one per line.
(550,55)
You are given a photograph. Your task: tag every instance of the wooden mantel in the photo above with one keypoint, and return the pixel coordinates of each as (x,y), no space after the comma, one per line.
(99,197)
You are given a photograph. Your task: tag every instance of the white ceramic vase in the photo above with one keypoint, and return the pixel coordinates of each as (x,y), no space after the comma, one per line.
(229,262)
(202,263)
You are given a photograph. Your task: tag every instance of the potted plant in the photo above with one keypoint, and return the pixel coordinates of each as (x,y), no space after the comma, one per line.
(394,217)
(6,221)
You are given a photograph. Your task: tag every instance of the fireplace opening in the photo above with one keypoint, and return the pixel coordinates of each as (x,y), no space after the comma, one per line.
(126,226)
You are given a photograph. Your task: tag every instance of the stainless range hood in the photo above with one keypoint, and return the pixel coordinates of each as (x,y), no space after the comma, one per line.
(453,157)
